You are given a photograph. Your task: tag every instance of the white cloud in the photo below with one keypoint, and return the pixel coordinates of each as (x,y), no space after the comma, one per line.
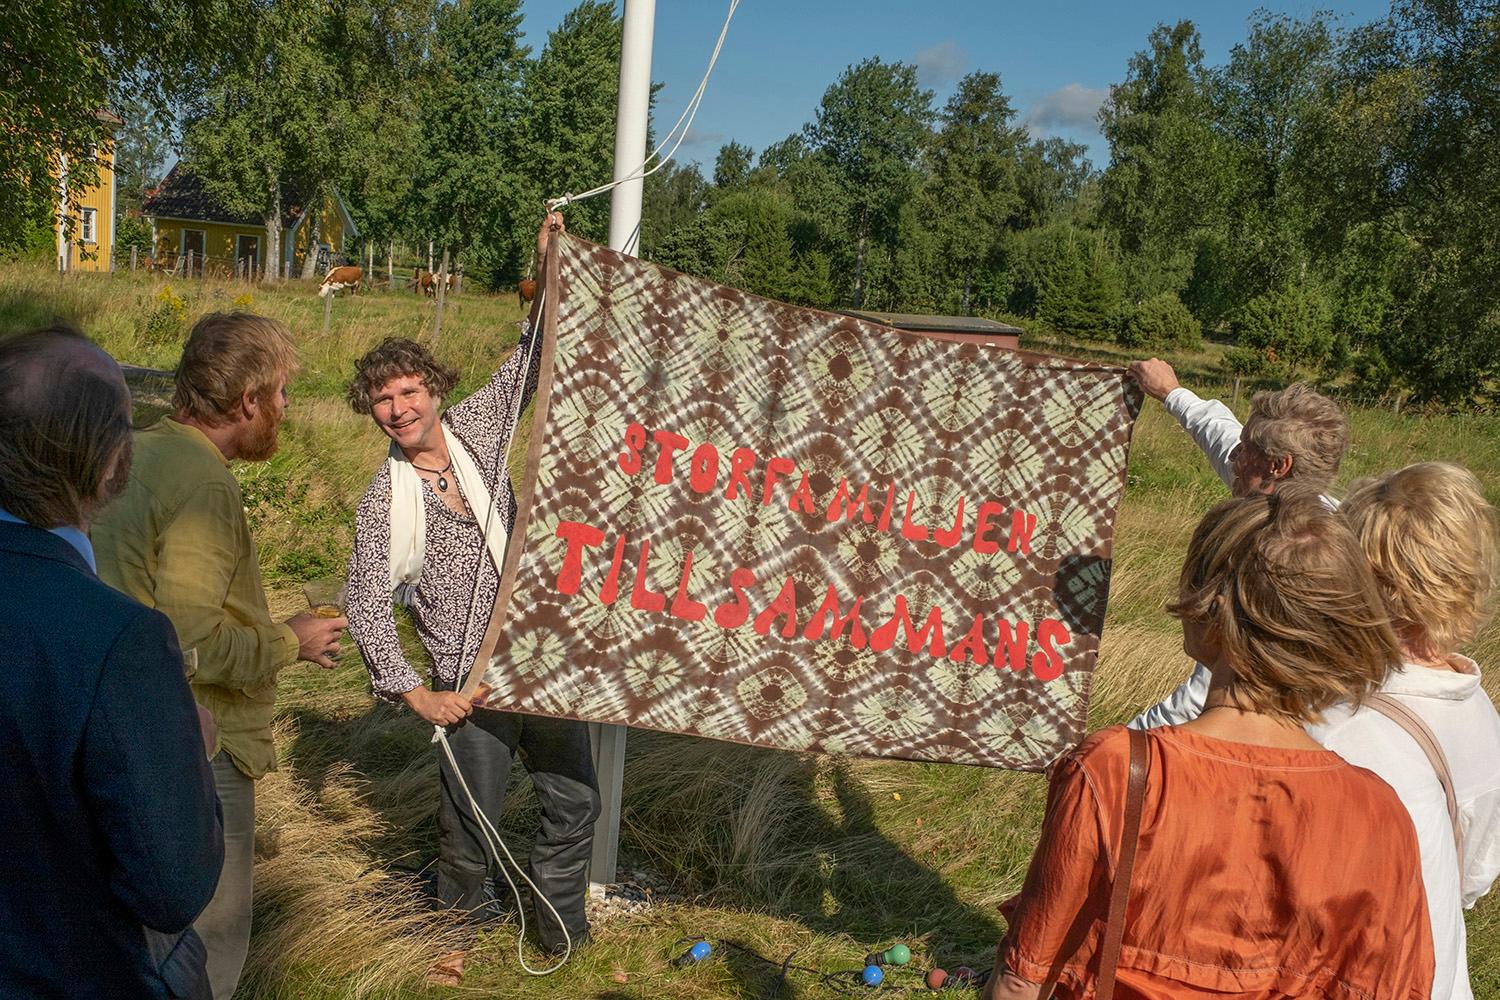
(698,137)
(941,64)
(1072,106)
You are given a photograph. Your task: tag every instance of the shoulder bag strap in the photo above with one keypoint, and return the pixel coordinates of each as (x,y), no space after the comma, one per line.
(1119,891)
(1428,741)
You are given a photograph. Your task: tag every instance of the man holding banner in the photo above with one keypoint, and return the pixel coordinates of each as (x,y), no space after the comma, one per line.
(431,534)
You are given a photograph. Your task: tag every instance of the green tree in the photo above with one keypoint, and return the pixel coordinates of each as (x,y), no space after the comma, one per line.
(1169,179)
(470,181)
(732,166)
(570,94)
(972,191)
(63,62)
(143,143)
(1161,322)
(282,118)
(870,126)
(673,197)
(1290,327)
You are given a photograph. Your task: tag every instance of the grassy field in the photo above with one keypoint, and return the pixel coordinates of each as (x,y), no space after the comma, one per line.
(778,851)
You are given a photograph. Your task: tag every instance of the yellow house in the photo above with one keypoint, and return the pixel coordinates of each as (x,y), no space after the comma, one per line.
(85,225)
(185,217)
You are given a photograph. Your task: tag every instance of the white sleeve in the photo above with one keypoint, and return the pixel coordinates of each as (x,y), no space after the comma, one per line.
(1183,705)
(1212,425)
(1480,820)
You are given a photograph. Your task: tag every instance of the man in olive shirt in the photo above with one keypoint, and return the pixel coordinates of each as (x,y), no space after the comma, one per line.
(177,541)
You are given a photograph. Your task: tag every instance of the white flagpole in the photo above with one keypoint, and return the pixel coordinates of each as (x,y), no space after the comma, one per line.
(624,235)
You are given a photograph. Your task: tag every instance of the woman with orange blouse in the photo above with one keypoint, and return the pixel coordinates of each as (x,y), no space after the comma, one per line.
(1267,867)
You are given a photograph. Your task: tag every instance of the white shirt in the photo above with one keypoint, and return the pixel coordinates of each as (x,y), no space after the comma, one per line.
(1460,714)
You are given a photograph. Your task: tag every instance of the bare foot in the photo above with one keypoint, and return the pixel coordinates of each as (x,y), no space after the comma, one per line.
(448,970)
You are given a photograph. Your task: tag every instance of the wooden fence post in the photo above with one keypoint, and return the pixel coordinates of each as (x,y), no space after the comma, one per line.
(1236,397)
(390,265)
(133,252)
(327,312)
(442,283)
(429,256)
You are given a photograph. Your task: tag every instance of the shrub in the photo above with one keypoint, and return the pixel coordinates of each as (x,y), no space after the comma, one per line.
(1292,327)
(1161,322)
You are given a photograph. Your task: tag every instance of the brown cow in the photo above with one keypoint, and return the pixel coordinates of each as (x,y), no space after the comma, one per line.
(425,282)
(525,290)
(339,277)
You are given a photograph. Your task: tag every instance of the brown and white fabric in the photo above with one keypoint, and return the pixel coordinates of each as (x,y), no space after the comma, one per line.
(919,436)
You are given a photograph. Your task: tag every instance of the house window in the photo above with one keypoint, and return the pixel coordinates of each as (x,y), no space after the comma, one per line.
(90,227)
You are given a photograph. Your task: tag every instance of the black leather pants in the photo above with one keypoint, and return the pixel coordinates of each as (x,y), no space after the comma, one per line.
(557,755)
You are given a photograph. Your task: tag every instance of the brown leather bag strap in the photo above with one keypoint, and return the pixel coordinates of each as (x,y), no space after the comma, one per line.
(1428,741)
(1119,893)
(1119,890)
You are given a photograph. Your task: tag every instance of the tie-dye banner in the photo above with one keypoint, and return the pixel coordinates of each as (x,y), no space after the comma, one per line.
(756,522)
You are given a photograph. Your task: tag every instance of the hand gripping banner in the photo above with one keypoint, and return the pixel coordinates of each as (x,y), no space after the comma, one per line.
(755,522)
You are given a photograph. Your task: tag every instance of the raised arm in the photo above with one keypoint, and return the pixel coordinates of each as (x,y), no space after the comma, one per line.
(1212,425)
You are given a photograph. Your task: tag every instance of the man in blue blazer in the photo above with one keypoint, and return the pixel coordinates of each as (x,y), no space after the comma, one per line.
(108,821)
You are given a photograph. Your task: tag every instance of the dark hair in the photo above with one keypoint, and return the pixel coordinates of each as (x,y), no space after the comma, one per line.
(227,354)
(392,358)
(63,421)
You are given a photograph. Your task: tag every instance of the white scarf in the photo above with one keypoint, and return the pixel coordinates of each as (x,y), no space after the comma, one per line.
(409,516)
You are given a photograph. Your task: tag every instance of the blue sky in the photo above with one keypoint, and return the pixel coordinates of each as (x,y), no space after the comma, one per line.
(1055,60)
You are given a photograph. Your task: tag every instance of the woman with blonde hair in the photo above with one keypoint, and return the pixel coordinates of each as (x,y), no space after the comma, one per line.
(1431,539)
(1250,861)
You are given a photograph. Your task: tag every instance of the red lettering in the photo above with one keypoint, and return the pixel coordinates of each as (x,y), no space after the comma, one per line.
(784,604)
(642,597)
(884,637)
(734,615)
(669,443)
(948,539)
(909,528)
(971,646)
(1048,664)
(865,514)
(611,588)
(885,515)
(775,467)
(741,462)
(803,498)
(703,470)
(630,458)
(829,610)
(683,606)
(983,545)
(578,536)
(1011,649)
(1022,525)
(841,498)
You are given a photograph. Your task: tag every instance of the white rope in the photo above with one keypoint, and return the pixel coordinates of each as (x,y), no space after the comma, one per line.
(689,112)
(497,847)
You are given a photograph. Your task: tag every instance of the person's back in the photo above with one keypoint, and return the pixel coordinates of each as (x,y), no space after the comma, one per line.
(1434,543)
(1261,872)
(1266,866)
(112,836)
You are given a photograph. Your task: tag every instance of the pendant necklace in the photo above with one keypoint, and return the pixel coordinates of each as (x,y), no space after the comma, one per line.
(442,480)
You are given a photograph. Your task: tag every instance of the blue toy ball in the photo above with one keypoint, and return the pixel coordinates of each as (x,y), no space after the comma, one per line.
(701,950)
(873,976)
